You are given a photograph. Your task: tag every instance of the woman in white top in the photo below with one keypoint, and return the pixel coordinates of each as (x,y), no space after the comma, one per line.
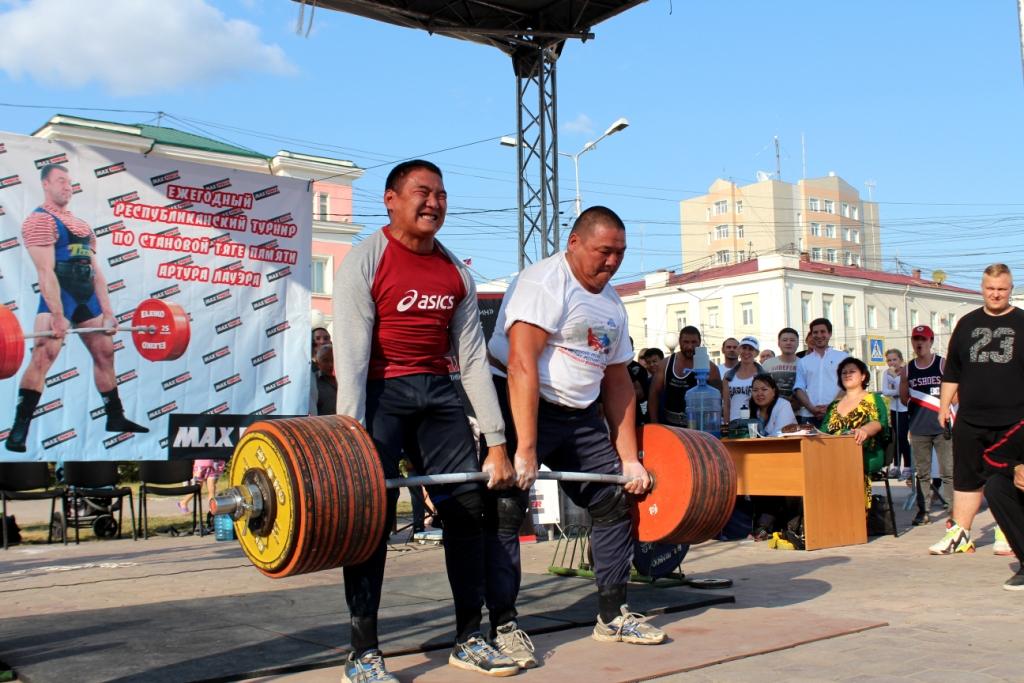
(898,417)
(736,382)
(772,414)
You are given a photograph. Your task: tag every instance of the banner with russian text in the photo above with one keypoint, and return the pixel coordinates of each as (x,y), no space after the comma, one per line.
(228,249)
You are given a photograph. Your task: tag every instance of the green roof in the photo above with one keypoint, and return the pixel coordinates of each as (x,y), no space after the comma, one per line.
(172,136)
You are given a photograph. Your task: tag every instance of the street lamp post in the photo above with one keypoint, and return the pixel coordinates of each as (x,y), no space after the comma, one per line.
(619,124)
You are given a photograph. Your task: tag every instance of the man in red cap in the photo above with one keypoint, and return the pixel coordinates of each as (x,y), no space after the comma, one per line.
(920,386)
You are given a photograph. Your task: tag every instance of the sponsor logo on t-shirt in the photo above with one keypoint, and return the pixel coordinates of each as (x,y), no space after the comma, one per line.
(426,302)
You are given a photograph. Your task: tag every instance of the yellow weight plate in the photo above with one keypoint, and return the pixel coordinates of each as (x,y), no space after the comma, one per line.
(258,450)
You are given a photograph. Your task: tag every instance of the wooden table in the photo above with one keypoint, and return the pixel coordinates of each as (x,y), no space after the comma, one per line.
(826,471)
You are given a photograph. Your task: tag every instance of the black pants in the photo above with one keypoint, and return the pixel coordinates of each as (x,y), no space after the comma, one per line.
(1007,504)
(900,443)
(422,417)
(567,439)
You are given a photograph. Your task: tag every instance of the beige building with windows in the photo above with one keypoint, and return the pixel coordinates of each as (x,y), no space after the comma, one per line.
(824,217)
(762,295)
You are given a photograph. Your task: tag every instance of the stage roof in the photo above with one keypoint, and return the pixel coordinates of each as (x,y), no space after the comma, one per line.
(504,24)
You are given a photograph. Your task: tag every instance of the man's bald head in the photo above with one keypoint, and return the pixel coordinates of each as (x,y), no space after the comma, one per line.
(593,217)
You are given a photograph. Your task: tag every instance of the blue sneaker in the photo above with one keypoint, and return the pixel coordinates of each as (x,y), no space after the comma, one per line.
(476,654)
(367,669)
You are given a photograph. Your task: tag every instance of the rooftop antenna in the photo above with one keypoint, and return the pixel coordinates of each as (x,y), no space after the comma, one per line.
(871,185)
(778,160)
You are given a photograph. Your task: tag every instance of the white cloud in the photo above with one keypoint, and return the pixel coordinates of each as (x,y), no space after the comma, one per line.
(131,47)
(581,124)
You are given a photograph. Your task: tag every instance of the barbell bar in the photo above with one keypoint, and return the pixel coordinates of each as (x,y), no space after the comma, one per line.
(148,329)
(234,503)
(308,494)
(160,332)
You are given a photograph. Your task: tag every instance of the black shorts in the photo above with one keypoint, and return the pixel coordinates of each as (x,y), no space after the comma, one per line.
(422,418)
(969,442)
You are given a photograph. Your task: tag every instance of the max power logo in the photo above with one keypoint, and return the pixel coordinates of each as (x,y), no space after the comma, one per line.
(217,297)
(9,243)
(265,192)
(227,382)
(97,413)
(227,325)
(216,354)
(277,329)
(177,381)
(104,230)
(61,158)
(117,439)
(268,409)
(127,376)
(221,184)
(265,301)
(123,257)
(104,171)
(164,178)
(264,357)
(10,181)
(162,410)
(217,409)
(278,274)
(61,377)
(124,316)
(57,439)
(277,384)
(53,405)
(125,198)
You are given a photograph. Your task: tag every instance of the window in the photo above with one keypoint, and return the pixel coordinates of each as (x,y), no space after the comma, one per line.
(707,213)
(721,207)
(721,232)
(872,317)
(713,317)
(800,243)
(680,320)
(722,257)
(812,204)
(739,206)
(816,253)
(321,274)
(848,315)
(914,318)
(855,260)
(830,255)
(830,206)
(805,309)
(709,238)
(894,320)
(741,256)
(323,209)
(846,209)
(856,214)
(815,229)
(747,313)
(830,230)
(846,234)
(855,234)
(739,231)
(933,320)
(847,258)
(826,306)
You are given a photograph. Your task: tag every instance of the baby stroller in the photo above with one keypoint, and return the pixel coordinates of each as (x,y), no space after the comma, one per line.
(92,499)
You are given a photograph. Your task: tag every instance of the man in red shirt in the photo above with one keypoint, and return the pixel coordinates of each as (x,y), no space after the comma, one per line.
(72,292)
(406,304)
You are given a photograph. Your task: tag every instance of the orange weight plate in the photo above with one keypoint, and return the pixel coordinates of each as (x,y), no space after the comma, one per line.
(171,336)
(694,486)
(12,343)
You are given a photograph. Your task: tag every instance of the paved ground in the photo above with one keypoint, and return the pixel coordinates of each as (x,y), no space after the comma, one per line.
(948,617)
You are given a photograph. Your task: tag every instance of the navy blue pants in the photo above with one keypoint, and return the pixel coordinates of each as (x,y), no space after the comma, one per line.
(568,439)
(421,417)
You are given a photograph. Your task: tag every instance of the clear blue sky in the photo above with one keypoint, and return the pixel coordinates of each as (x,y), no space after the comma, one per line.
(924,98)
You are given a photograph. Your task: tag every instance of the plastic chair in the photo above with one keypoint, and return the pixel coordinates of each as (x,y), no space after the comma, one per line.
(163,478)
(20,481)
(88,482)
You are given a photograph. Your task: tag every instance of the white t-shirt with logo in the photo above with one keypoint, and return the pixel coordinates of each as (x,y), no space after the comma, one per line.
(587,331)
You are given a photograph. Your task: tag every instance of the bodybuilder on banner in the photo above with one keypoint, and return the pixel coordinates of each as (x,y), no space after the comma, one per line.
(72,293)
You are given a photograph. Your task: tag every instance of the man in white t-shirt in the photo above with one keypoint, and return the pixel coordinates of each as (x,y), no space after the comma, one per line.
(817,384)
(561,339)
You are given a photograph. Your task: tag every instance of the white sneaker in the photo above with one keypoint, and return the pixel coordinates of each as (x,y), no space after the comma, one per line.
(1001,547)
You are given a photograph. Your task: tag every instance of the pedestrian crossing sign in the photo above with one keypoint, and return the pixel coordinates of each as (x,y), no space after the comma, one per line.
(876,350)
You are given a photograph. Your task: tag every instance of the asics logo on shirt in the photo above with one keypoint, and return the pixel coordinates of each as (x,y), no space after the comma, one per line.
(427,302)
